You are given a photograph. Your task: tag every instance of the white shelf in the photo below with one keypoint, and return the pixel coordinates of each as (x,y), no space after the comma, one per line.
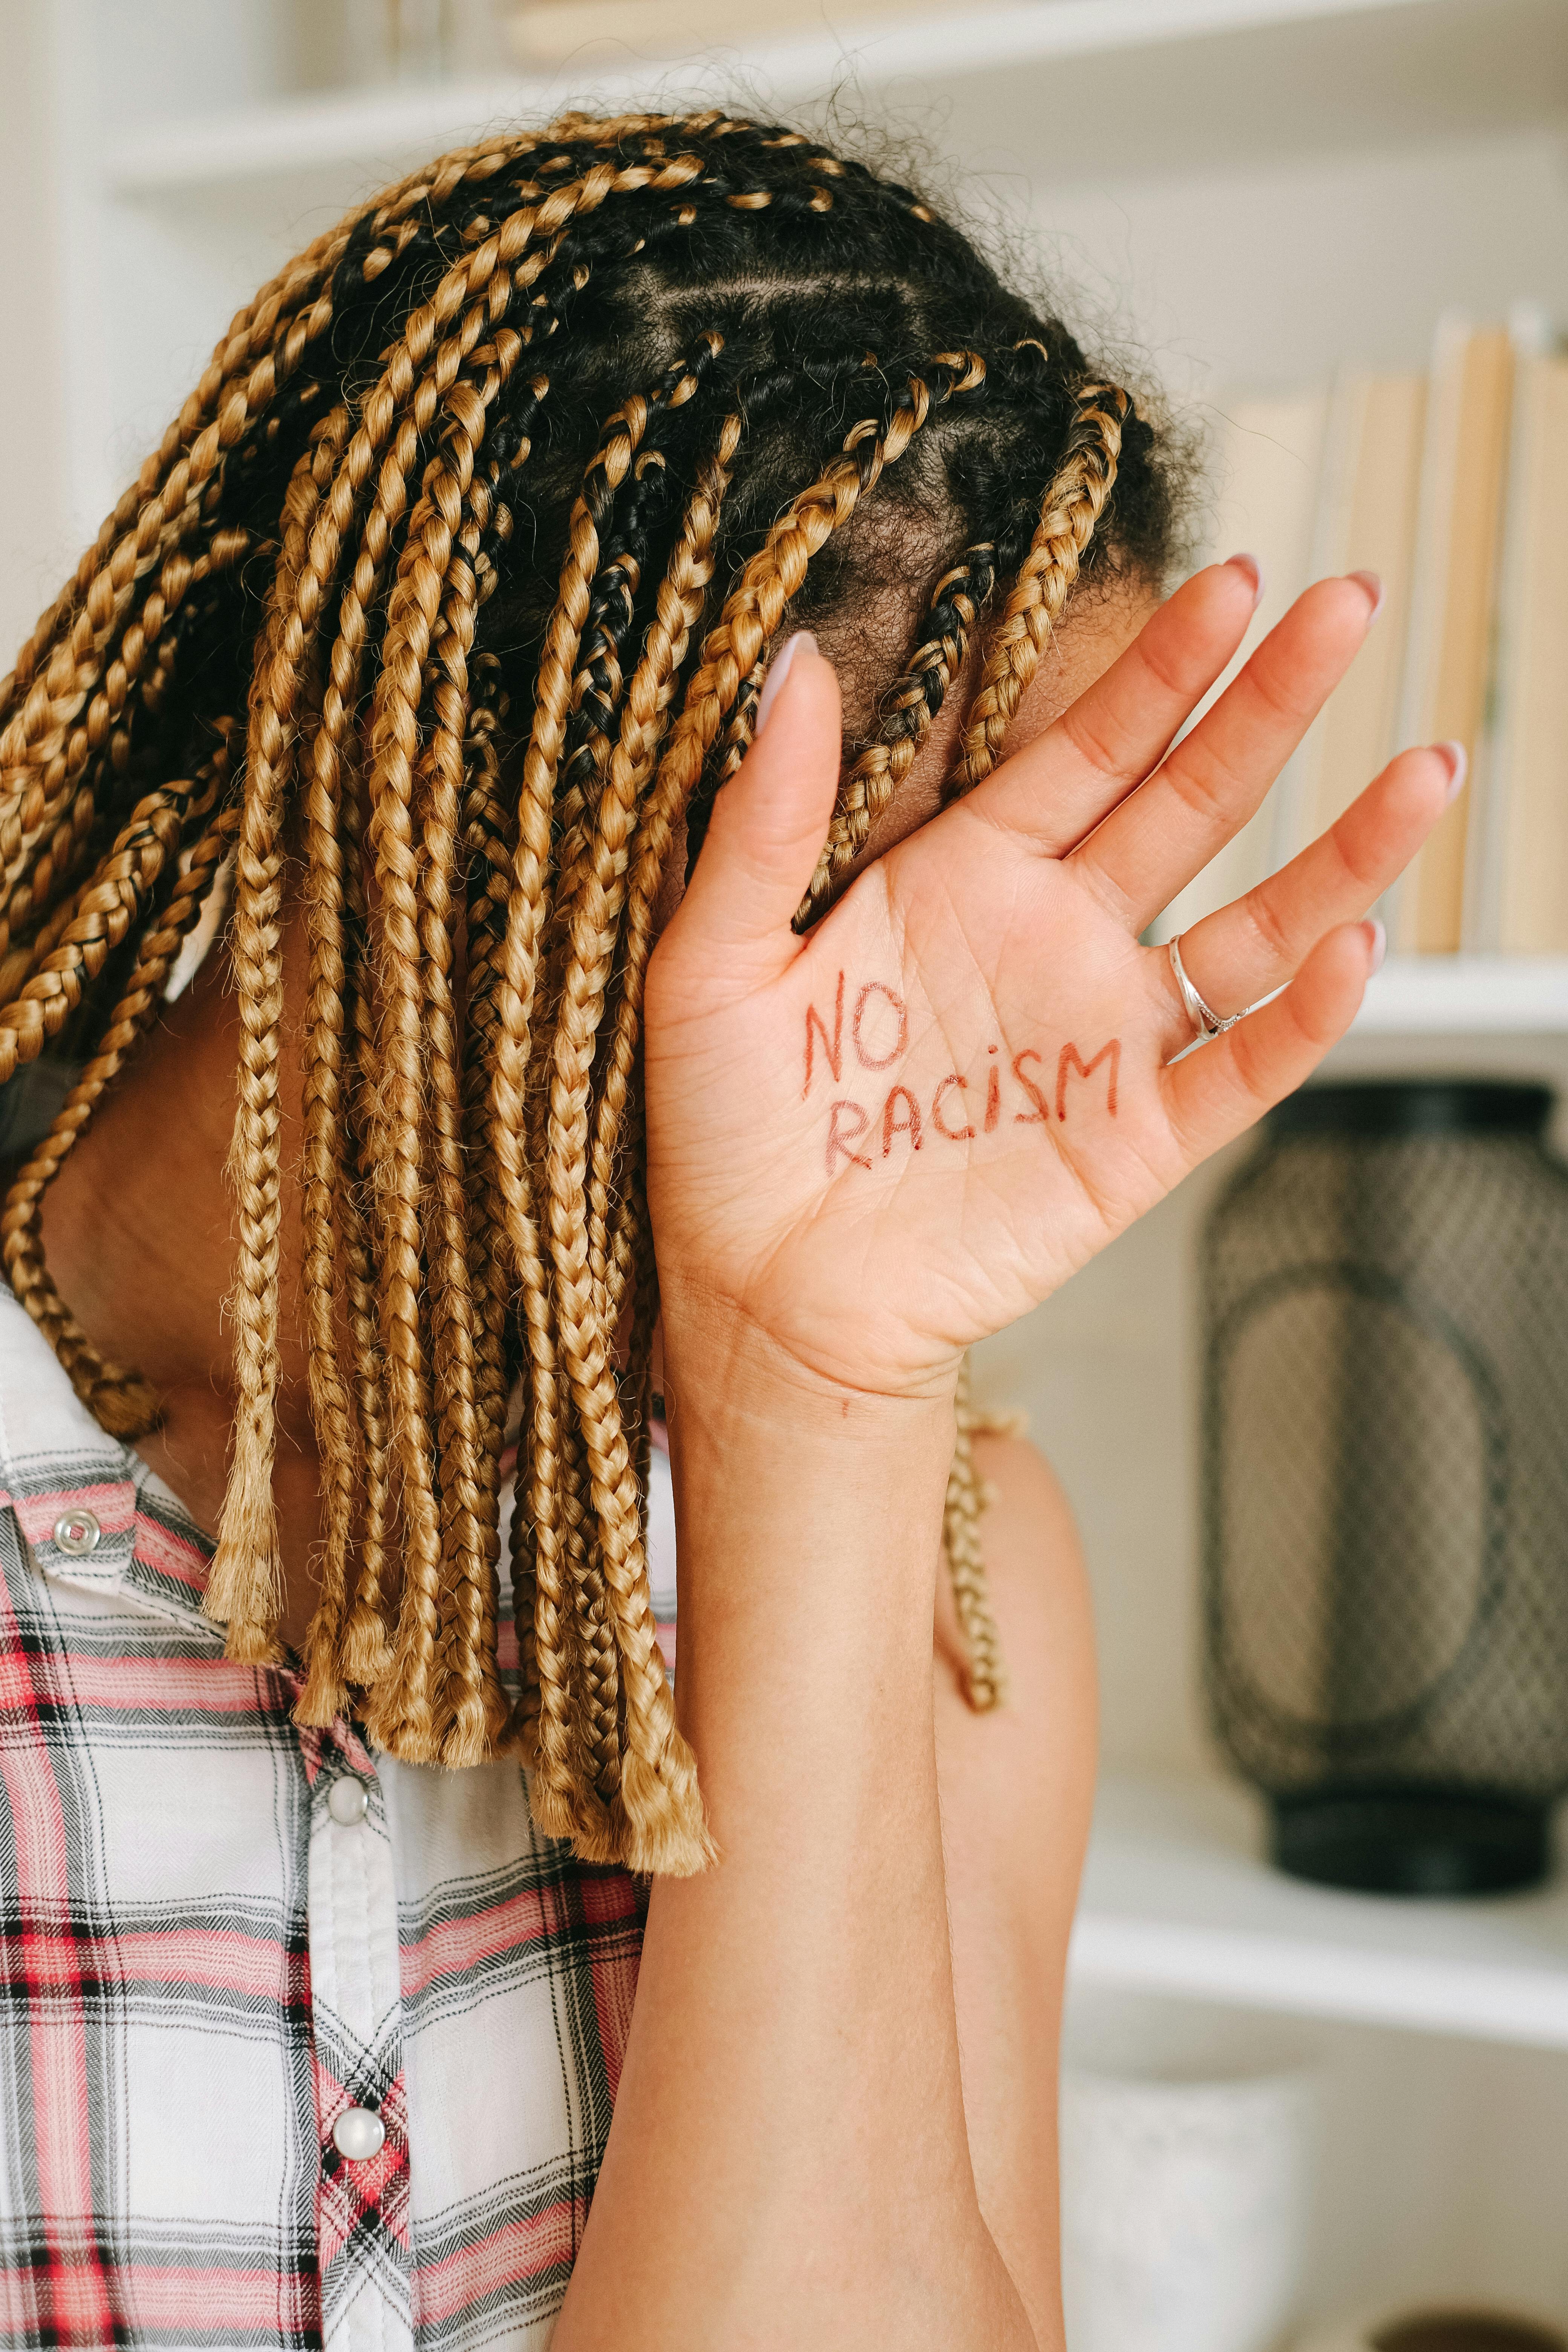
(928,45)
(1474,995)
(1178,1899)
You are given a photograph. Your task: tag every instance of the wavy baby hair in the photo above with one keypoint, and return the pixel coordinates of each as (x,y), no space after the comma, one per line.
(449,590)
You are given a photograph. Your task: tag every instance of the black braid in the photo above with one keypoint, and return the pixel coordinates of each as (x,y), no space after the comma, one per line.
(960,596)
(646,500)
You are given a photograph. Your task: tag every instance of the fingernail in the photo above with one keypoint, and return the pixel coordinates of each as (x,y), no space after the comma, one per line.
(1458,761)
(778,670)
(1375,589)
(1378,939)
(1254,571)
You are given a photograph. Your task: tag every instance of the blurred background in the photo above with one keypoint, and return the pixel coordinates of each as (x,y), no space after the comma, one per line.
(1258,206)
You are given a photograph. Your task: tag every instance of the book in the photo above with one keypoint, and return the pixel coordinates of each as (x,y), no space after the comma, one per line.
(1447,658)
(1524,866)
(1366,521)
(1266,474)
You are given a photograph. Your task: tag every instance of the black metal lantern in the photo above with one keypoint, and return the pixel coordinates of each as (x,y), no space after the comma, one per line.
(1385,1488)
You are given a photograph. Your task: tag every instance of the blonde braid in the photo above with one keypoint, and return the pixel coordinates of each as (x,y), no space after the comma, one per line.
(400,1712)
(489,849)
(53,893)
(324,1694)
(566,1604)
(122,1402)
(471,1708)
(985,1681)
(106,910)
(655,683)
(591,893)
(741,723)
(1071,508)
(912,706)
(561,1804)
(557,1508)
(41,751)
(347,1641)
(245,1585)
(357,1650)
(52,827)
(598,1667)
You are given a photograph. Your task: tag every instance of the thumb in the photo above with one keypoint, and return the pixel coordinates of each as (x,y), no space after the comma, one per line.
(769,821)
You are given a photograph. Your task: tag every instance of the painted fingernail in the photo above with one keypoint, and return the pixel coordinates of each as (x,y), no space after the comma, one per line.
(1254,571)
(779,669)
(1375,589)
(1377,939)
(1458,761)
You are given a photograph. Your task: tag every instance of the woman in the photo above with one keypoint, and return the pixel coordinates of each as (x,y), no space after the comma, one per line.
(491,601)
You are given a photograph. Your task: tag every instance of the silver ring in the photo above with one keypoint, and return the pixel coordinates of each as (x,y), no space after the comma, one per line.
(1206,1023)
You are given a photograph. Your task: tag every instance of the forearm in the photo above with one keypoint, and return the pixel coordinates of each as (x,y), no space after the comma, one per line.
(788,2163)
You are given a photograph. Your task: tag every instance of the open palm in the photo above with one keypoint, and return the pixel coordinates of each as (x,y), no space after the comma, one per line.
(888,1139)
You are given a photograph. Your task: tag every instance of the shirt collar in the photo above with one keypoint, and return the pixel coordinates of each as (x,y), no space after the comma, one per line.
(55,1460)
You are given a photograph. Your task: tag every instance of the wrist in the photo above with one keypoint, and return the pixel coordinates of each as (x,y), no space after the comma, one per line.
(801,1503)
(782,1475)
(721,1362)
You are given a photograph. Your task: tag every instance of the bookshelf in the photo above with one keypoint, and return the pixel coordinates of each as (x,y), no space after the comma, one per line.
(1178,1900)
(1236,196)
(1468,996)
(1428,2032)
(304,133)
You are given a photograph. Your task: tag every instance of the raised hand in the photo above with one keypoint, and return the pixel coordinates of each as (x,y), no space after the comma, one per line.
(882,1142)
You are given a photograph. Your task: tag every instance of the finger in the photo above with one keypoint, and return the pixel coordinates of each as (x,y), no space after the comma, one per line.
(1059,786)
(1214,1095)
(769,821)
(1244,951)
(1155,842)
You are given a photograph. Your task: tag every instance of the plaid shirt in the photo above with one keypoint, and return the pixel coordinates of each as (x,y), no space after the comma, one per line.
(208,1962)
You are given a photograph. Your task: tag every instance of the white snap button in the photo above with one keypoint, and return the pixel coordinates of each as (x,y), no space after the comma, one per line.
(77,1533)
(347,1801)
(358,2133)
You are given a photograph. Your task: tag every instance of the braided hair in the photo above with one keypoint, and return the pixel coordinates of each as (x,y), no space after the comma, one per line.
(453,584)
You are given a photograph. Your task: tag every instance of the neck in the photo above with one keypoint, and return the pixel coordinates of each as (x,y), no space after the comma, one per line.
(138,1233)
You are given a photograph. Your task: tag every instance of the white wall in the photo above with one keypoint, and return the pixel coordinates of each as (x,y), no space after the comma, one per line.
(35,545)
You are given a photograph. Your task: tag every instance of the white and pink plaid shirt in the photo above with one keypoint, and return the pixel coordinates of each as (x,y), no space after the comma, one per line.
(301,2046)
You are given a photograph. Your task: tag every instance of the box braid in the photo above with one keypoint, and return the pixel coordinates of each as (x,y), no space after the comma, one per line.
(570,425)
(961,595)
